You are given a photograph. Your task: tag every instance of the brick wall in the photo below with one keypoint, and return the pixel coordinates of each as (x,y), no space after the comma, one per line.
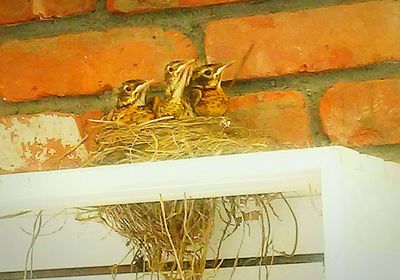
(307,73)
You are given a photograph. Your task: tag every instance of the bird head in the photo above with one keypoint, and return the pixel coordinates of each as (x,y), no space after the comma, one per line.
(133,92)
(177,74)
(209,75)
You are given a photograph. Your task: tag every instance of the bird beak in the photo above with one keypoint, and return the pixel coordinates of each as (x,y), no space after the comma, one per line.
(149,83)
(186,65)
(190,62)
(146,85)
(142,90)
(223,67)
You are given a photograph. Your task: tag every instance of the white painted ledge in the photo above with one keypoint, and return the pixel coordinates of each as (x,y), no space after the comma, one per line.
(360,195)
(288,170)
(277,171)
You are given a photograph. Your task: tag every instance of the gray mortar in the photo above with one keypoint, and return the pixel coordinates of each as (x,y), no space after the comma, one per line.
(192,22)
(386,152)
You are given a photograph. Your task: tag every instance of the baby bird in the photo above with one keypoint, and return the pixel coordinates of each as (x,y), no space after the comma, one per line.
(131,103)
(205,93)
(177,74)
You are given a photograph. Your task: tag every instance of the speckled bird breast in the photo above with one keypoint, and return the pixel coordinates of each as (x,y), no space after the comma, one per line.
(132,114)
(213,103)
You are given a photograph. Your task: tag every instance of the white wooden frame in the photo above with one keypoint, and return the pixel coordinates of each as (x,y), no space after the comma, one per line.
(360,195)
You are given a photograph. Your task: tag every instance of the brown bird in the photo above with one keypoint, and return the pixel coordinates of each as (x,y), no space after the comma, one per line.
(177,74)
(131,103)
(205,93)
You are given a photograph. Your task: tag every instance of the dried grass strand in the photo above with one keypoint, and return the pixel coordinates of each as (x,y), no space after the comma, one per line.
(14,215)
(170,238)
(296,239)
(37,226)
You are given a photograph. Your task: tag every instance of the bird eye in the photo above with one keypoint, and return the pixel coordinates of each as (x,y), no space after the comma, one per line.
(127,89)
(170,69)
(207,72)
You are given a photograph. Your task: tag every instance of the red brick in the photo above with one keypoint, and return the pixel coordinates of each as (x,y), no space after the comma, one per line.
(281,116)
(14,11)
(362,113)
(40,142)
(87,63)
(129,6)
(306,41)
(60,8)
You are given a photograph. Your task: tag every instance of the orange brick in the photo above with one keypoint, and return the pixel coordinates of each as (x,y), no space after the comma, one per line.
(129,6)
(40,142)
(307,41)
(281,116)
(362,113)
(87,63)
(88,128)
(14,11)
(60,8)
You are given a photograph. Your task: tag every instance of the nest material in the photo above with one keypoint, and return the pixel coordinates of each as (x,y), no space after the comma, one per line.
(172,237)
(166,138)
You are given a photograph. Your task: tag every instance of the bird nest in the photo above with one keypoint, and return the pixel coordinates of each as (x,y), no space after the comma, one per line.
(171,238)
(167,139)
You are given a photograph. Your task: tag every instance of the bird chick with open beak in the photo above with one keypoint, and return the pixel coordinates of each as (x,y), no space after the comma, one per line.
(205,93)
(177,74)
(131,103)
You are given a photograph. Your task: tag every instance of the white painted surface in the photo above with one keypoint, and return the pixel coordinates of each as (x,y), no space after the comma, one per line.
(361,220)
(91,244)
(360,196)
(313,271)
(310,239)
(202,177)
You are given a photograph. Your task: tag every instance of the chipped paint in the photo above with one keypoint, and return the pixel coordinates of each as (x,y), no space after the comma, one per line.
(38,142)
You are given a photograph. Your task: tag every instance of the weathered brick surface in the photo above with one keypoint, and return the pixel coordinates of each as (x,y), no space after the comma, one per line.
(89,128)
(131,6)
(308,40)
(40,142)
(362,113)
(281,116)
(14,11)
(87,63)
(60,8)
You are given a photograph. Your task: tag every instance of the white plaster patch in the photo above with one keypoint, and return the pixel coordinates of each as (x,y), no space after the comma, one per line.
(36,130)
